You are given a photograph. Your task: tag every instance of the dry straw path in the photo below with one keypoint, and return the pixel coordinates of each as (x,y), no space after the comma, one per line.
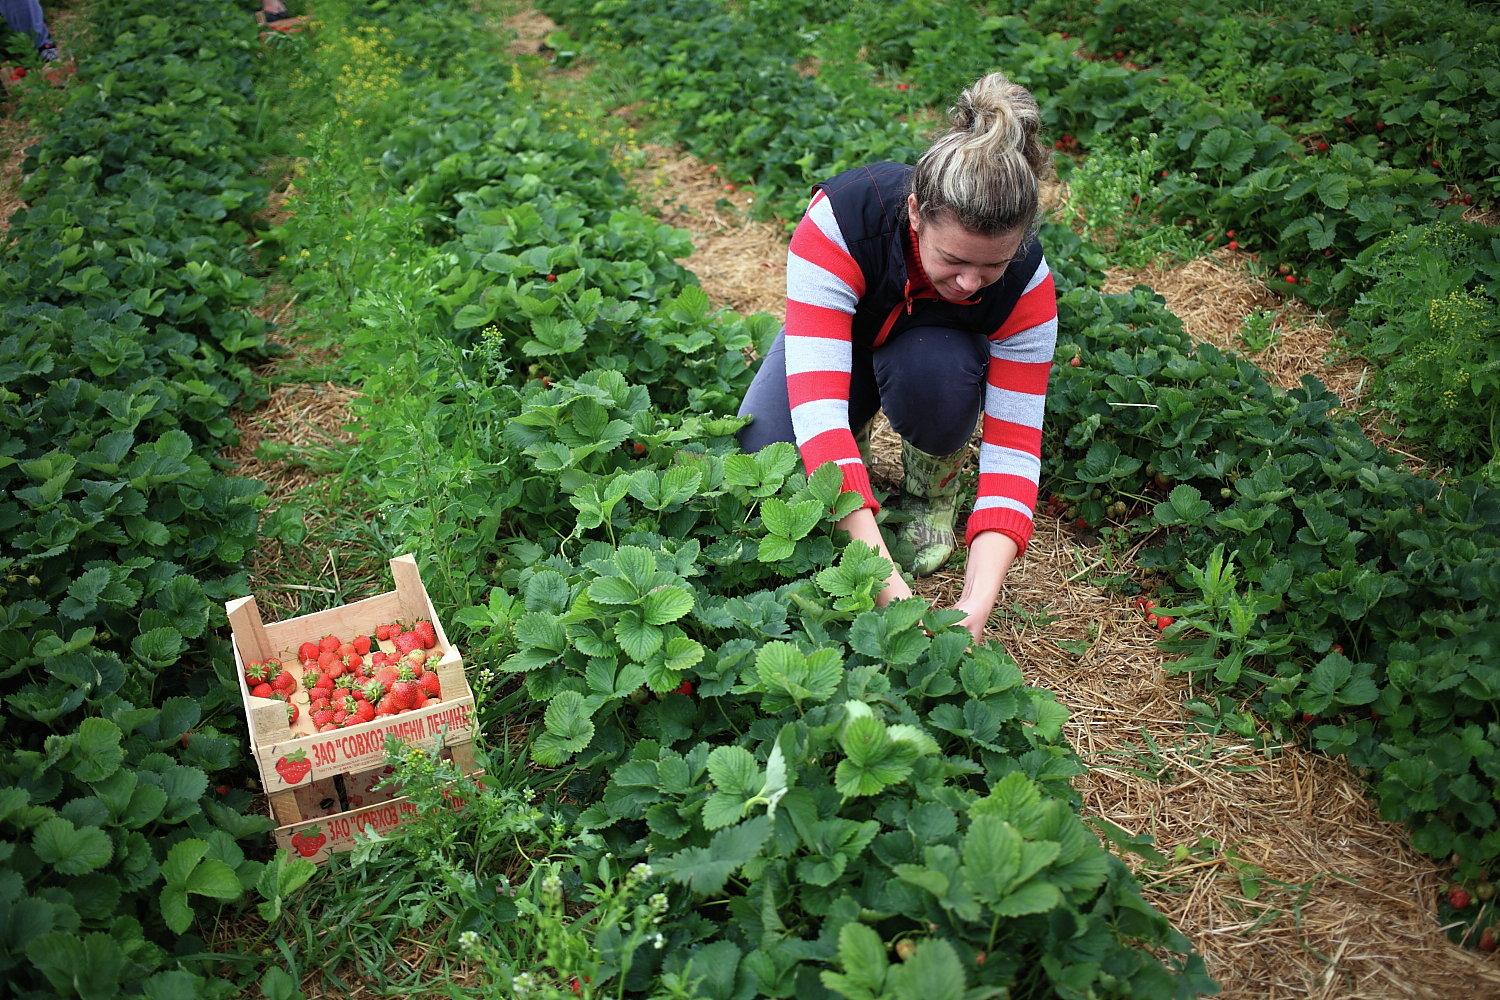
(1344,907)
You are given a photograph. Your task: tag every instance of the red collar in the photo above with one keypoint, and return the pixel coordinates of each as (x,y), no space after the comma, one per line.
(918,283)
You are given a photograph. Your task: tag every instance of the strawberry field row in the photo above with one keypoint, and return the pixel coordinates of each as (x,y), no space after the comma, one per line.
(1356,604)
(1227,165)
(806,780)
(1336,226)
(1400,81)
(124,297)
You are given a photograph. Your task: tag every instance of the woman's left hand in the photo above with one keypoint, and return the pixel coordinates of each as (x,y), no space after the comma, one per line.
(990,556)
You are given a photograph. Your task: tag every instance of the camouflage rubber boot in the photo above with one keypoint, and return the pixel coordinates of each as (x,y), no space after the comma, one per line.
(930,487)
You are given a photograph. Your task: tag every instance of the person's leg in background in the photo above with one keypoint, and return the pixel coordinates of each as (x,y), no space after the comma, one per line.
(932,389)
(26,17)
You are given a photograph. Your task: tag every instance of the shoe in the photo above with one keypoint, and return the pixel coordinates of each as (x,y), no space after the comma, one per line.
(928,505)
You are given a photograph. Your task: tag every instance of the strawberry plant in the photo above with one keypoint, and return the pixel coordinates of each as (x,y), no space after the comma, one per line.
(125,292)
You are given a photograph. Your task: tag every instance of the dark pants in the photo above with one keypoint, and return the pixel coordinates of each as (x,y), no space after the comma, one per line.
(929,381)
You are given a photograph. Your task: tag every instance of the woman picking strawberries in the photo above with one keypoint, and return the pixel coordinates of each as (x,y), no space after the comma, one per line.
(923,291)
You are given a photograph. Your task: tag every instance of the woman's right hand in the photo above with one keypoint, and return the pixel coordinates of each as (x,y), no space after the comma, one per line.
(861,525)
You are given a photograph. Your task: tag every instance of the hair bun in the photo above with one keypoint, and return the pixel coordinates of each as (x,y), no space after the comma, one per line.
(986,167)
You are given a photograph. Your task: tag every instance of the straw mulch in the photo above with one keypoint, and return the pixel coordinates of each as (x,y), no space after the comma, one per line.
(1212,295)
(740,261)
(1363,928)
(15,136)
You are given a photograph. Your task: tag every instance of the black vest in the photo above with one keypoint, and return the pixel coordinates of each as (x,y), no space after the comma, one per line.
(870,206)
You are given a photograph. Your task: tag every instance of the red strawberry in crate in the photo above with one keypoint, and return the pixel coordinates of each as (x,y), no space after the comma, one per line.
(321,718)
(352,661)
(262,690)
(294,767)
(291,713)
(382,633)
(386,676)
(345,649)
(285,682)
(255,673)
(418,657)
(426,633)
(431,686)
(308,842)
(329,643)
(364,713)
(362,645)
(327,658)
(405,694)
(311,678)
(308,651)
(378,658)
(406,642)
(373,692)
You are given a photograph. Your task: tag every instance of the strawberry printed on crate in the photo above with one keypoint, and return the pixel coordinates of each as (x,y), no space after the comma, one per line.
(309,841)
(294,767)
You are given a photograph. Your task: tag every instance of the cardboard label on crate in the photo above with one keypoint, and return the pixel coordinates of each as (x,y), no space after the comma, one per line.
(289,764)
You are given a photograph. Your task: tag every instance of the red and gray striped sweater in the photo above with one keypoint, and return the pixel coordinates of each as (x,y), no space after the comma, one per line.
(824,283)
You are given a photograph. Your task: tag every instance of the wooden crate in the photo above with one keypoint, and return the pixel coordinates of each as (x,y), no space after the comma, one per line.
(355,748)
(325,831)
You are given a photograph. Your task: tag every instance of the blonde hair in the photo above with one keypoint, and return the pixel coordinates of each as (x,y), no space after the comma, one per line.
(986,169)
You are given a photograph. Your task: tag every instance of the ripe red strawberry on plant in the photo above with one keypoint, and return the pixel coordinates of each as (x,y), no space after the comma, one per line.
(294,767)
(686,687)
(1459,898)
